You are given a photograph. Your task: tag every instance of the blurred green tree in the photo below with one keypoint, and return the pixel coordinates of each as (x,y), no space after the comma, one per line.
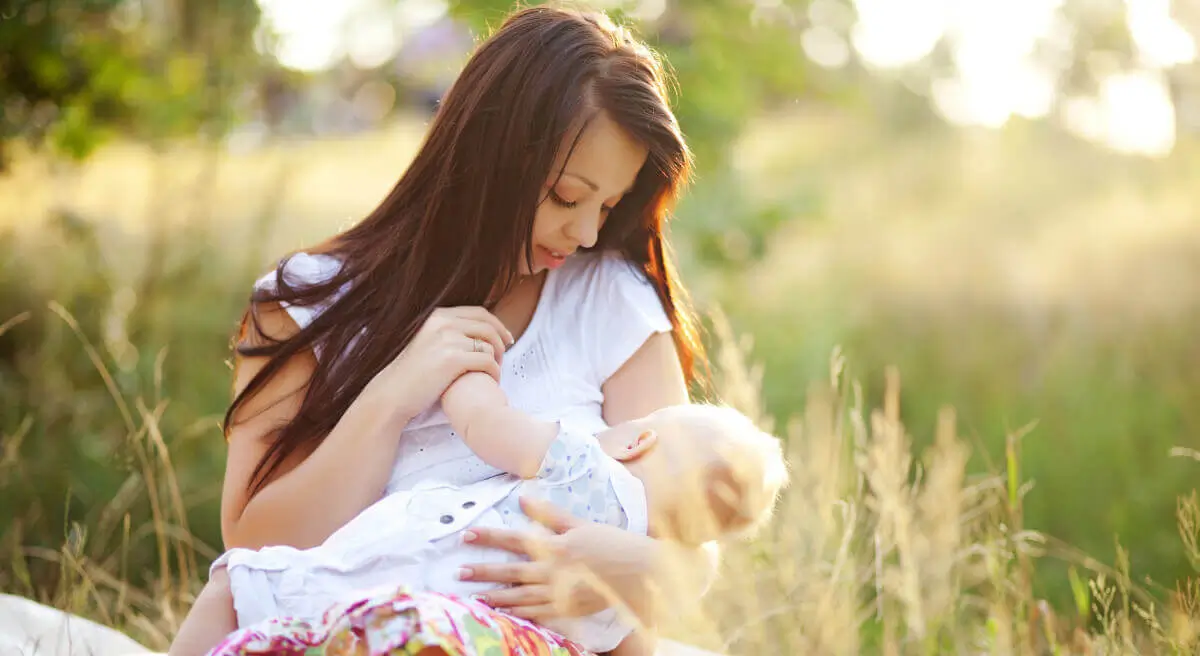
(73,72)
(731,60)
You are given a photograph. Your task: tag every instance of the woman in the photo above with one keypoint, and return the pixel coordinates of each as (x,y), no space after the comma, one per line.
(556,138)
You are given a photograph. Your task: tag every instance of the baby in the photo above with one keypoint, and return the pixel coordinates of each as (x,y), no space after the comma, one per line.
(690,473)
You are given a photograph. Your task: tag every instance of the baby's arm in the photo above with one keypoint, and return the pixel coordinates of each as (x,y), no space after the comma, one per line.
(501,436)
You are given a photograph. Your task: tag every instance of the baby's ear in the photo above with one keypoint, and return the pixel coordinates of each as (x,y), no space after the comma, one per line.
(635,447)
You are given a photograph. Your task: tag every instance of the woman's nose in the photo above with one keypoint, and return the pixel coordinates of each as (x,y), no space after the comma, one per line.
(585,230)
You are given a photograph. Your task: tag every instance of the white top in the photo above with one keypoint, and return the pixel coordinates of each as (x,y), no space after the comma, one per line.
(413,538)
(595,311)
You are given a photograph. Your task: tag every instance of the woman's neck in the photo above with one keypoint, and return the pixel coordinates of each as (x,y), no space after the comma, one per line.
(516,307)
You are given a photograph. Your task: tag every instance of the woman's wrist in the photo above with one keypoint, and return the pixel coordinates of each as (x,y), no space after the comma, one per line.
(675,576)
(384,408)
(639,576)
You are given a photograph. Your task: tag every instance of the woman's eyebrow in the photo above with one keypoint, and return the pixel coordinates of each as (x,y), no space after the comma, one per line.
(593,185)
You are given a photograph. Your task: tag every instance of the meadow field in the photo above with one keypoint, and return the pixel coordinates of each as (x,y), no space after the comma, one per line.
(981,346)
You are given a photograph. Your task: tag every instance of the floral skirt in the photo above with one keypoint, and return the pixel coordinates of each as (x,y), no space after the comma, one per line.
(402,622)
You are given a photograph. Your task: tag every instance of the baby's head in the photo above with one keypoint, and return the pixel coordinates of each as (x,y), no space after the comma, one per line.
(708,470)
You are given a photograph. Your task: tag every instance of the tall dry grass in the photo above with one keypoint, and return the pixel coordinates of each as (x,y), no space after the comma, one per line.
(874,548)
(1036,284)
(94,579)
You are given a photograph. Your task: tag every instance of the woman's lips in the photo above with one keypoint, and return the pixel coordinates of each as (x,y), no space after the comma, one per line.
(551,259)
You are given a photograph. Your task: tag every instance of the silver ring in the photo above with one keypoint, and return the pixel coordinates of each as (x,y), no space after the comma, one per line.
(477,345)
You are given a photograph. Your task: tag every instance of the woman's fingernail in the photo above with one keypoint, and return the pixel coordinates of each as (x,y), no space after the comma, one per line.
(482,598)
(470,536)
(464,573)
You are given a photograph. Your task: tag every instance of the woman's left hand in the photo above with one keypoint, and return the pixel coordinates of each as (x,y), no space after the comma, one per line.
(580,569)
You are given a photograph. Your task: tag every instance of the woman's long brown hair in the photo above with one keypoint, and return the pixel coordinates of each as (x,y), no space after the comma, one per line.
(461,216)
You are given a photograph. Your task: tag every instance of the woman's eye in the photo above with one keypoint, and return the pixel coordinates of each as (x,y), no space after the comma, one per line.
(560,201)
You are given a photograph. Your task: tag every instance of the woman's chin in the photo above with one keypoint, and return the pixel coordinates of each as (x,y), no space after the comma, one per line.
(537,269)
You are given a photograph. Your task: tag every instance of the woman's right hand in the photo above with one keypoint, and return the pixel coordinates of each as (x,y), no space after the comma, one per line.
(451,342)
(581,569)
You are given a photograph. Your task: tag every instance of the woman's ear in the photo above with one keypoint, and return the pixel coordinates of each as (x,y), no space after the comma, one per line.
(637,446)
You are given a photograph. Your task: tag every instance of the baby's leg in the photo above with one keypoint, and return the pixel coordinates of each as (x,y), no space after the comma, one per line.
(212,618)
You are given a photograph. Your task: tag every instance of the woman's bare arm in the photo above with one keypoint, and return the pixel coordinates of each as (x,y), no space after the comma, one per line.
(313,493)
(651,379)
(318,491)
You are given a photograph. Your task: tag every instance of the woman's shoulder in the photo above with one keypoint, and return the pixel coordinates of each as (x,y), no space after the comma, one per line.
(301,269)
(610,306)
(600,272)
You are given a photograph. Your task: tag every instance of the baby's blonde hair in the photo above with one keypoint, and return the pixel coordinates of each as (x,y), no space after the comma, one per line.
(743,488)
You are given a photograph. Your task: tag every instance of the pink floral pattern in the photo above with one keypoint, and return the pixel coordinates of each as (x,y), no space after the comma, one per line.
(402,622)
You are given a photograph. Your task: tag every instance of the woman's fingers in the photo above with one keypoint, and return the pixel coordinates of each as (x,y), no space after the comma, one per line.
(549,515)
(517,542)
(533,613)
(524,573)
(480,314)
(544,601)
(519,596)
(490,341)
(484,362)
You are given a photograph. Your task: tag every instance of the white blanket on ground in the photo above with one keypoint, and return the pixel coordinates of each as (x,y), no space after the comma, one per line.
(28,628)
(31,629)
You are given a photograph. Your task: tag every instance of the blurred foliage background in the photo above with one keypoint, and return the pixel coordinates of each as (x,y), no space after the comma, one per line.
(998,198)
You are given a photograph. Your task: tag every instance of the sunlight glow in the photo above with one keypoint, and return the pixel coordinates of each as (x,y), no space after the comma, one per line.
(992,45)
(1161,42)
(1138,114)
(374,42)
(306,31)
(413,15)
(313,35)
(996,76)
(891,34)
(1133,114)
(649,10)
(825,47)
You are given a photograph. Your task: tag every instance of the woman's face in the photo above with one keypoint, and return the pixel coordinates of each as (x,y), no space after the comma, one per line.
(602,168)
